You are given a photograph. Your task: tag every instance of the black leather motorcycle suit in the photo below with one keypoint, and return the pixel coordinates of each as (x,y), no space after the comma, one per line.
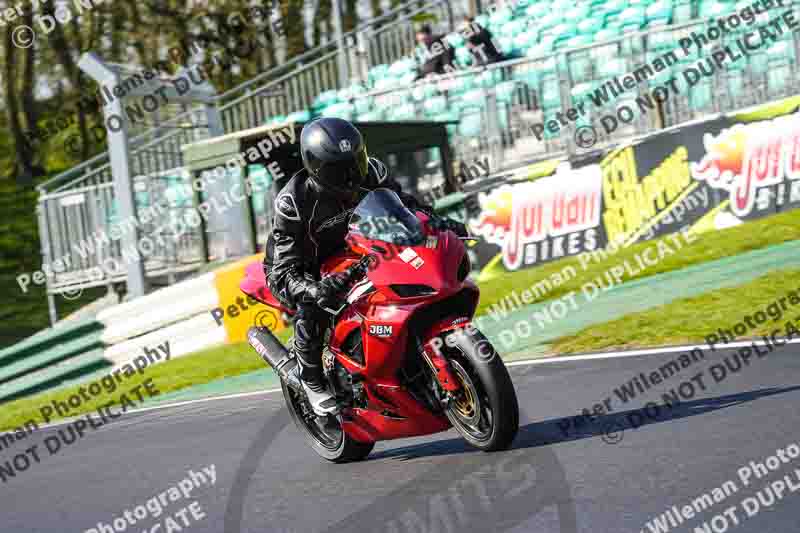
(309,226)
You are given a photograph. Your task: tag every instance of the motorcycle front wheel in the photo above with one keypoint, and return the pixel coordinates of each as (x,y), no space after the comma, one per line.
(485,411)
(324,434)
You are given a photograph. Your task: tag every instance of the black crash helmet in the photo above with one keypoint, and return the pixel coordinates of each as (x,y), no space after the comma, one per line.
(335,155)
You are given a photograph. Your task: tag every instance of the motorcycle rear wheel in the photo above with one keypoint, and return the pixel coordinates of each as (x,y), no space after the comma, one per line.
(485,412)
(324,434)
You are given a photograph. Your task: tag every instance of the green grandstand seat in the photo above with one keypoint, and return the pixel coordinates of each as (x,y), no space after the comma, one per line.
(363,103)
(402,112)
(563,32)
(781,52)
(475,98)
(393,98)
(455,39)
(402,67)
(422,92)
(612,9)
(277,119)
(482,19)
(342,110)
(778,78)
(448,116)
(461,84)
(606,34)
(489,78)
(700,96)
(435,105)
(386,83)
(580,64)
(537,11)
(504,91)
(631,19)
(526,40)
(714,9)
(261,179)
(506,45)
(502,116)
(660,78)
(577,14)
(350,91)
(544,48)
(550,94)
(758,63)
(683,11)
(376,73)
(471,124)
(658,13)
(580,91)
(550,19)
(513,28)
(408,78)
(563,5)
(579,40)
(590,25)
(376,115)
(299,116)
(464,57)
(527,75)
(612,68)
(500,18)
(736,83)
(661,41)
(326,98)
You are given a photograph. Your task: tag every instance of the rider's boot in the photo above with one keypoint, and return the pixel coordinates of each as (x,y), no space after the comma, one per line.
(308,349)
(321,400)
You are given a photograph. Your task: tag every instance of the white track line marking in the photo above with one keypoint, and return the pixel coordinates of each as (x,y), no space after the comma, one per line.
(636,353)
(541,361)
(164,406)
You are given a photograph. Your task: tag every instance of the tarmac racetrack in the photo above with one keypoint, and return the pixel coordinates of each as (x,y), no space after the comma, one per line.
(616,472)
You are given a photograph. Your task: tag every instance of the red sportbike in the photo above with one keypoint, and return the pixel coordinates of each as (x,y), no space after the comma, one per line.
(402,356)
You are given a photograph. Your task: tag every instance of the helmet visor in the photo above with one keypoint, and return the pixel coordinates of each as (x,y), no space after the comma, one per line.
(345,176)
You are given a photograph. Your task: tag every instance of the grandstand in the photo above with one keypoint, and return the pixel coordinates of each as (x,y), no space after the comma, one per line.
(560,52)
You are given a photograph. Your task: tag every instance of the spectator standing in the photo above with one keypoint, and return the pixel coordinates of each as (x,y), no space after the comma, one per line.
(480,43)
(436,54)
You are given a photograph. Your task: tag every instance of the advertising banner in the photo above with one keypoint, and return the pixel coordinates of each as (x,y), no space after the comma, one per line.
(707,176)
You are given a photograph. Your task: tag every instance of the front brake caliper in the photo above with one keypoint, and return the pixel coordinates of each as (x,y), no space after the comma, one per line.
(441,368)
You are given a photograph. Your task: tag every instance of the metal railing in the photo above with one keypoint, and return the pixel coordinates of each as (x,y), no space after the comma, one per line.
(498,120)
(77,205)
(301,79)
(510,102)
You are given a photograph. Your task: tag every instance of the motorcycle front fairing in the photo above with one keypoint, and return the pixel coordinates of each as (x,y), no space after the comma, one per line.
(414,267)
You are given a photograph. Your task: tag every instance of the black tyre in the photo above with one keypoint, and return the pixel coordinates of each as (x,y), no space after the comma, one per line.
(486,412)
(324,434)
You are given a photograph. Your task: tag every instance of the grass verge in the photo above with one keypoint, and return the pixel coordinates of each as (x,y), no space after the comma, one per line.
(200,367)
(754,235)
(690,320)
(232,360)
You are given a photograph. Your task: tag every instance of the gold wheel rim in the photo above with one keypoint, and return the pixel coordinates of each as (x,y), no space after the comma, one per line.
(465,402)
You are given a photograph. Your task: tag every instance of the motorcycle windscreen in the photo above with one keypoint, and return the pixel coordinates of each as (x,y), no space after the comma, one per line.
(382,216)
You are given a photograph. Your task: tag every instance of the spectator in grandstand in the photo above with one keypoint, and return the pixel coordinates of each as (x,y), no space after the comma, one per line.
(480,43)
(435,52)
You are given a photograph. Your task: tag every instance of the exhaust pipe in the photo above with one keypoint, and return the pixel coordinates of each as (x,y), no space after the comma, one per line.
(276,355)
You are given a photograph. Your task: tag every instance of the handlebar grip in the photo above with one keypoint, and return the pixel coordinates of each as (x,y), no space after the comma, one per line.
(358,269)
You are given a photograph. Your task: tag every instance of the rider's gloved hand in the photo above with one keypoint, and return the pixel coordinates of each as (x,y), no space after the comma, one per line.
(326,292)
(444,224)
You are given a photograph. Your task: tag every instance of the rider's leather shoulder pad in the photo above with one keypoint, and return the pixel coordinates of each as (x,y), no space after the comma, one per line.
(289,201)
